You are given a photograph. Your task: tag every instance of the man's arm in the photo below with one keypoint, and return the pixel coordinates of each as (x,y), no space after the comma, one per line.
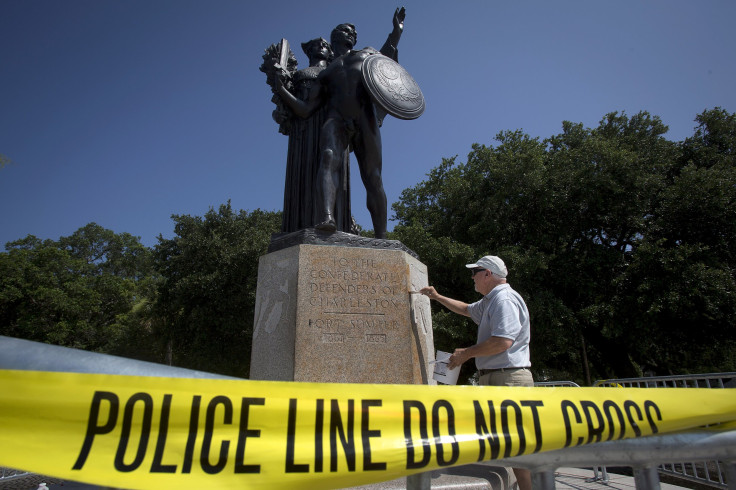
(391,46)
(489,347)
(454,305)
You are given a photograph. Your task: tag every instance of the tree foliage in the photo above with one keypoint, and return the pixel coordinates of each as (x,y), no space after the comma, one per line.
(4,160)
(621,241)
(79,291)
(206,303)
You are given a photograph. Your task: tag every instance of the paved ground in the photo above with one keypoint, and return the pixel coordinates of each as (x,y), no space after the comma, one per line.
(566,478)
(469,477)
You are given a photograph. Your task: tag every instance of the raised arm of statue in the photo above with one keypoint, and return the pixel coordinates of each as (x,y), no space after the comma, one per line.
(391,46)
(302,108)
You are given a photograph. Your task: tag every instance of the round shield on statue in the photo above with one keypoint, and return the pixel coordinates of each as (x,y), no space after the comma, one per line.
(392,88)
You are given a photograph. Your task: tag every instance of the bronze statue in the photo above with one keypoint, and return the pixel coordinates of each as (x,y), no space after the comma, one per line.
(351,122)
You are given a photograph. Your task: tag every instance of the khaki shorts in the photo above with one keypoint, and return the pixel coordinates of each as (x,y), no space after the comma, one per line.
(507,377)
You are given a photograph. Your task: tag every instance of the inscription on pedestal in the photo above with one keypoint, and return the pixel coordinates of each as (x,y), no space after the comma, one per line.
(355,300)
(356,309)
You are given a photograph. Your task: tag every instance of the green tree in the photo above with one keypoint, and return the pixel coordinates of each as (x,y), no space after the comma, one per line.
(206,303)
(449,224)
(682,280)
(76,291)
(590,222)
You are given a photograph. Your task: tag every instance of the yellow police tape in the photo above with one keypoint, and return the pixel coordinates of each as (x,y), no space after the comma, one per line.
(145,432)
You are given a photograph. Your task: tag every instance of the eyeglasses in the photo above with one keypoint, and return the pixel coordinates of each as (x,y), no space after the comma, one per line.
(473,272)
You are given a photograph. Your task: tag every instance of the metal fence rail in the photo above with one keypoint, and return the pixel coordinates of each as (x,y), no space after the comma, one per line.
(711,473)
(11,479)
(8,474)
(711,380)
(553,384)
(600,473)
(642,454)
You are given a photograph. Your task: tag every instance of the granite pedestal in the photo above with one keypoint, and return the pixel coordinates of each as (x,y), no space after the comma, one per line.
(342,314)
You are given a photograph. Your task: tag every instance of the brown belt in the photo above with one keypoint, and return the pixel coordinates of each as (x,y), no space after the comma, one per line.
(483,372)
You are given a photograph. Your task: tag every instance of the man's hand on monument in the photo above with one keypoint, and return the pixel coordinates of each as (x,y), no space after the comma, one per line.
(453,305)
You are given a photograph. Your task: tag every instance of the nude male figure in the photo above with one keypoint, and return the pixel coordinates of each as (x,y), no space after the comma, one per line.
(351,123)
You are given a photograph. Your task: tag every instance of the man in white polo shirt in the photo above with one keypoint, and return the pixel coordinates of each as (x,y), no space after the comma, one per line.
(502,349)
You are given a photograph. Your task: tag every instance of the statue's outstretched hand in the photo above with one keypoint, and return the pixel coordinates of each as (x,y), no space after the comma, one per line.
(399,17)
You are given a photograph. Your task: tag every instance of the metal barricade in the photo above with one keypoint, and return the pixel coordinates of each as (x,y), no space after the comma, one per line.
(642,454)
(11,479)
(711,473)
(8,474)
(710,380)
(600,473)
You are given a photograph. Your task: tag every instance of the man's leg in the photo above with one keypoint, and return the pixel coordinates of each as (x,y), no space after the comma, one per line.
(367,149)
(332,147)
(521,377)
(523,478)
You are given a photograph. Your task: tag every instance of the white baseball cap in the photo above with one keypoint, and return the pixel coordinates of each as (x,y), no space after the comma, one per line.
(492,263)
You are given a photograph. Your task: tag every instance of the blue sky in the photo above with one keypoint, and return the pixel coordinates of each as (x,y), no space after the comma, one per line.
(124,112)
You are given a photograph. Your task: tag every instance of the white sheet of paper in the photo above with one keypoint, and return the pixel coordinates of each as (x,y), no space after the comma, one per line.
(441,373)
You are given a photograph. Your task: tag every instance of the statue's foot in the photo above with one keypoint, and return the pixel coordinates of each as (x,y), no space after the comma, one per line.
(328,225)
